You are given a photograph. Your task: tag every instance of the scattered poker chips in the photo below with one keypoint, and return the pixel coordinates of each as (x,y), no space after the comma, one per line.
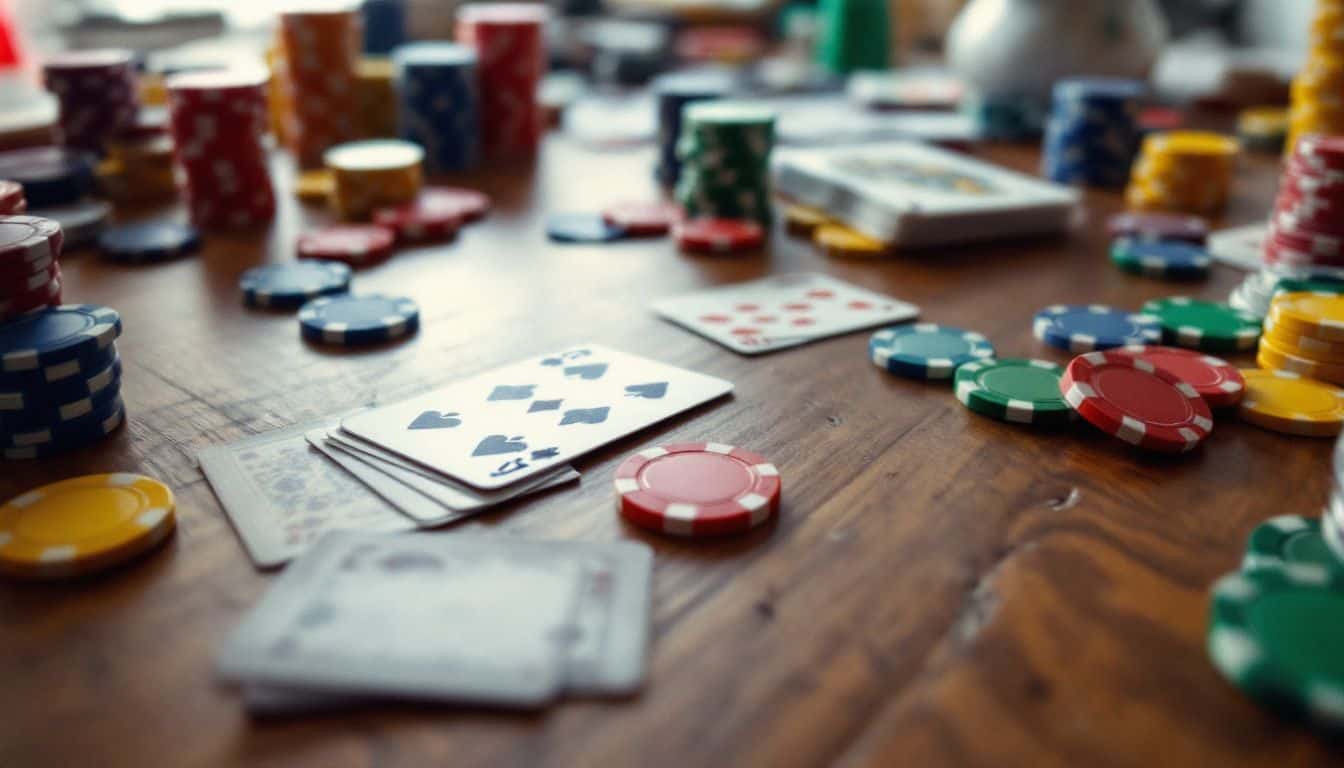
(1015,390)
(1283,401)
(49,175)
(357,245)
(30,273)
(148,242)
(581,228)
(438,105)
(1263,129)
(1158,226)
(641,219)
(1204,325)
(1084,328)
(1216,380)
(1183,171)
(697,489)
(510,44)
(291,285)
(83,525)
(710,235)
(97,94)
(318,51)
(1289,542)
(926,350)
(358,320)
(1168,259)
(1093,133)
(725,152)
(672,92)
(1137,402)
(372,174)
(841,242)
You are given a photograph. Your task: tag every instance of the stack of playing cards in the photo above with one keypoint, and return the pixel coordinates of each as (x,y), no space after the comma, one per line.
(482,619)
(914,195)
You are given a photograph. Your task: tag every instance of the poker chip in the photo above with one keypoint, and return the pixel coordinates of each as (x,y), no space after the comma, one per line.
(1183,172)
(637,219)
(1273,357)
(49,175)
(1283,401)
(581,228)
(1322,152)
(1290,542)
(27,240)
(1160,258)
(1133,400)
(83,525)
(1084,328)
(428,218)
(510,45)
(697,489)
(926,350)
(12,200)
(291,285)
(1215,379)
(1303,346)
(438,102)
(1093,132)
(842,242)
(64,333)
(314,186)
(373,174)
(468,204)
(801,221)
(1263,129)
(709,235)
(53,386)
(1204,325)
(356,320)
(56,439)
(725,148)
(1158,226)
(80,222)
(1015,390)
(357,245)
(1318,315)
(36,418)
(1274,634)
(148,242)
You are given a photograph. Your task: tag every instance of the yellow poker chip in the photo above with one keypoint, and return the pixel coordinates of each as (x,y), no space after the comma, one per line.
(841,241)
(802,221)
(1282,401)
(1275,357)
(1317,315)
(1193,143)
(83,525)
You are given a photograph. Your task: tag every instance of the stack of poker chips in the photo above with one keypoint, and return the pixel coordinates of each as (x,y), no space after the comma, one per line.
(725,151)
(673,92)
(1255,292)
(321,50)
(1305,227)
(376,98)
(368,175)
(97,93)
(1316,103)
(139,163)
(218,120)
(60,380)
(1004,116)
(384,23)
(438,107)
(1093,131)
(1183,172)
(854,36)
(30,249)
(1302,334)
(510,44)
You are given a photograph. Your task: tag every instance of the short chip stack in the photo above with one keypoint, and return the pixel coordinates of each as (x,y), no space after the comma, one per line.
(30,273)
(437,103)
(218,120)
(139,164)
(1316,104)
(321,49)
(97,93)
(376,99)
(1183,171)
(725,148)
(673,92)
(1093,131)
(368,175)
(1304,333)
(510,44)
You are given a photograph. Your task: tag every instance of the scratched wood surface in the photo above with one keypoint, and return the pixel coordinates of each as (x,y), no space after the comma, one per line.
(941,588)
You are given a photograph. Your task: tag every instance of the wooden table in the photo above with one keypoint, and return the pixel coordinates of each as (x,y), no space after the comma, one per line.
(941,588)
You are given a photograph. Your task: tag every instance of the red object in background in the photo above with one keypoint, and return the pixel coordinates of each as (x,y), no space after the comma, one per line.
(10,56)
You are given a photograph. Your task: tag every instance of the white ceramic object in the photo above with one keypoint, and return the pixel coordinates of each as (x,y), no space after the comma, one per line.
(1024,46)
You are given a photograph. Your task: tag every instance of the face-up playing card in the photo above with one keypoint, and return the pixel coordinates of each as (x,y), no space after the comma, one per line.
(505,425)
(282,496)
(782,311)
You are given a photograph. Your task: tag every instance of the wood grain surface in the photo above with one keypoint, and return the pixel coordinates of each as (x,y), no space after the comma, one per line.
(941,588)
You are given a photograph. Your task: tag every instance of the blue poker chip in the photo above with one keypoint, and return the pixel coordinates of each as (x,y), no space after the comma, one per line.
(293,284)
(41,416)
(926,350)
(67,437)
(62,383)
(353,320)
(148,242)
(1160,258)
(581,228)
(50,175)
(57,335)
(1088,327)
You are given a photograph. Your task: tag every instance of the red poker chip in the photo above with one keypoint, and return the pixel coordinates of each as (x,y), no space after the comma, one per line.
(1303,179)
(1305,242)
(421,221)
(709,235)
(643,219)
(50,295)
(1309,222)
(28,240)
(1134,400)
(11,198)
(1320,151)
(1216,380)
(1275,252)
(14,285)
(697,489)
(468,204)
(354,244)
(1165,226)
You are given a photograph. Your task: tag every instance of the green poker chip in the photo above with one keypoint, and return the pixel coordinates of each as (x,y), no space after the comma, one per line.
(1290,542)
(1205,325)
(1015,390)
(1276,635)
(1308,285)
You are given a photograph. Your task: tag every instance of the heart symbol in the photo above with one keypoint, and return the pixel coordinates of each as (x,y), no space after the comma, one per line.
(588,372)
(435,420)
(493,444)
(651,391)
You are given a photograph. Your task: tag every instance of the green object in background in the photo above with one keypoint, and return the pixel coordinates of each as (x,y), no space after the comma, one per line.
(854,35)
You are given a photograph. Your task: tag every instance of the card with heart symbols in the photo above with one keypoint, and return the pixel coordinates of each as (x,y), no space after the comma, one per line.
(499,427)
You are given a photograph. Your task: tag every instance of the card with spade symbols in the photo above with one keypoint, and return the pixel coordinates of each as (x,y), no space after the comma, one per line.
(782,311)
(505,425)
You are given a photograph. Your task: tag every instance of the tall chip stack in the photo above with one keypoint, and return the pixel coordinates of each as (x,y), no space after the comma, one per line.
(218,121)
(1183,172)
(673,92)
(1093,131)
(1317,106)
(725,151)
(30,249)
(321,49)
(97,94)
(438,105)
(510,44)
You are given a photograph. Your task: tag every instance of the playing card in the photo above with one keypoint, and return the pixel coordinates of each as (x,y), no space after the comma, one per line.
(452,618)
(282,496)
(781,311)
(505,425)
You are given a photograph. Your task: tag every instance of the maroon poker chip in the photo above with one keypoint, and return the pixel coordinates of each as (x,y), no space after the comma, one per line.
(354,244)
(46,296)
(710,235)
(643,219)
(1321,152)
(1162,226)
